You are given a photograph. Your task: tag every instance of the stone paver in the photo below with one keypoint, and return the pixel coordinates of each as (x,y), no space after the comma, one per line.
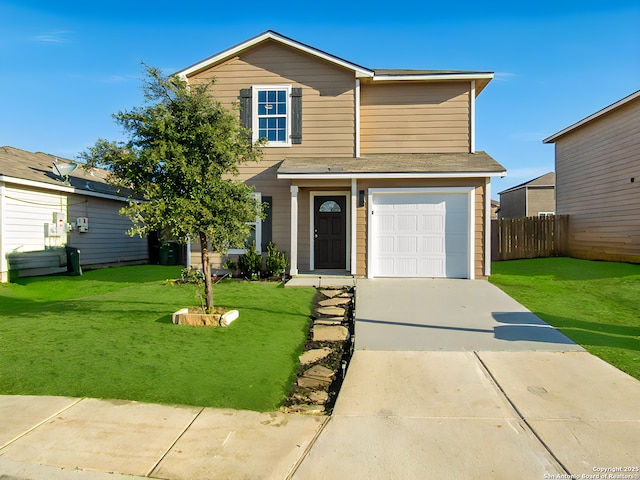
(334,302)
(330,311)
(314,355)
(324,333)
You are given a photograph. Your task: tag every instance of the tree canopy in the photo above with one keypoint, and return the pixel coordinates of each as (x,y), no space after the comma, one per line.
(182,151)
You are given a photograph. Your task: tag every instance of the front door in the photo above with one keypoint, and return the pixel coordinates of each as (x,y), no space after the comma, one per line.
(330,236)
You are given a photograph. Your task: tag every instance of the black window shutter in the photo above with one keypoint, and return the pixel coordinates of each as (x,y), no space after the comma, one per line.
(296,115)
(267,222)
(245,108)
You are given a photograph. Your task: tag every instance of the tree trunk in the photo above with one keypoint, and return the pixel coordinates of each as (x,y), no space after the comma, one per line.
(206,269)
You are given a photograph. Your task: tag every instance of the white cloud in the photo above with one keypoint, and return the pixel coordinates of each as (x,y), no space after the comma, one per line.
(52,37)
(504,76)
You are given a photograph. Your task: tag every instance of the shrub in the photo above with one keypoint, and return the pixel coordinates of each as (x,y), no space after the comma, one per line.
(250,263)
(276,261)
(191,275)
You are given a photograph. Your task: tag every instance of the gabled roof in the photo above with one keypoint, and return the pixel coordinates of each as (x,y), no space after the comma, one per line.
(546,180)
(36,170)
(590,118)
(413,165)
(482,78)
(271,35)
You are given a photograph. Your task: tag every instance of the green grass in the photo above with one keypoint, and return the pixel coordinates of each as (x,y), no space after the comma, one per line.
(596,304)
(108,334)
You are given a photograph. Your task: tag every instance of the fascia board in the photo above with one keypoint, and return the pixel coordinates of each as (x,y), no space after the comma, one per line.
(433,77)
(359,71)
(592,117)
(336,176)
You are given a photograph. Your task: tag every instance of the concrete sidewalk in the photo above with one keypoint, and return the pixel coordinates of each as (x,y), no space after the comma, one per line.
(89,439)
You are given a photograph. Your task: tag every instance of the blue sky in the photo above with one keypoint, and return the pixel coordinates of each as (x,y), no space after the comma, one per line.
(66,66)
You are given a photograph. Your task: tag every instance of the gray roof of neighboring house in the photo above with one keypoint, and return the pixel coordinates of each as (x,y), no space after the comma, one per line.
(546,180)
(38,167)
(471,163)
(614,106)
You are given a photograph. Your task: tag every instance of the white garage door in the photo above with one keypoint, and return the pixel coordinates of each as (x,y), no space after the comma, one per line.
(420,235)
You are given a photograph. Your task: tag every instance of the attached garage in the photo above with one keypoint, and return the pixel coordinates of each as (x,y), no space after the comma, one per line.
(421,232)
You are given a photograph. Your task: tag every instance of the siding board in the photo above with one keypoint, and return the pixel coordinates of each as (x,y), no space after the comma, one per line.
(594,165)
(401,110)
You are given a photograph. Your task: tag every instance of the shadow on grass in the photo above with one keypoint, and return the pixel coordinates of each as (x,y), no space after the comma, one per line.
(165,319)
(124,274)
(595,334)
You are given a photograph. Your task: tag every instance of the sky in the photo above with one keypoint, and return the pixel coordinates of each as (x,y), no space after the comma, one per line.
(67,66)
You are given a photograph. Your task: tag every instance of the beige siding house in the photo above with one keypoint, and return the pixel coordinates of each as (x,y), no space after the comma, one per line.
(371,173)
(39,212)
(535,198)
(598,182)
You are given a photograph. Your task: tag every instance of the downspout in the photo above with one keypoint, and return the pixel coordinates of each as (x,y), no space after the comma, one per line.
(472,117)
(354,220)
(357,117)
(487,226)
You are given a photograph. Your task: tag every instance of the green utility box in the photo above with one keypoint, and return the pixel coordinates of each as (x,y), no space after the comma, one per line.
(73,261)
(169,253)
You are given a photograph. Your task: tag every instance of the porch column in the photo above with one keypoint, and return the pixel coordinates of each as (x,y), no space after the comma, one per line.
(354,226)
(293,270)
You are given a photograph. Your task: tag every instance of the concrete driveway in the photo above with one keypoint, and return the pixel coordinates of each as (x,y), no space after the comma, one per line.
(454,379)
(447,314)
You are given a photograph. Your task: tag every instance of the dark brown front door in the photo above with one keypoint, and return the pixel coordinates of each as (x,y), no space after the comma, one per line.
(330,221)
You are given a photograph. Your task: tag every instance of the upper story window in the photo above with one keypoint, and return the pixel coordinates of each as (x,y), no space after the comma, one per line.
(273,112)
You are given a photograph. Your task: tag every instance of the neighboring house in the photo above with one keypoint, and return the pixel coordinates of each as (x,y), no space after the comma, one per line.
(598,182)
(495,208)
(535,198)
(39,212)
(367,172)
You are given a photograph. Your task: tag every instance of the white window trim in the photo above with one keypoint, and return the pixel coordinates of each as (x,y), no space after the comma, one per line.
(254,113)
(258,228)
(546,214)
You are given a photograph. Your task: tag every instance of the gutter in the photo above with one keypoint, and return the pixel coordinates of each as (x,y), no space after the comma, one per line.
(341,176)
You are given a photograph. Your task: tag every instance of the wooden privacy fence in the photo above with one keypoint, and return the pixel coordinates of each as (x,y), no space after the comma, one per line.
(529,237)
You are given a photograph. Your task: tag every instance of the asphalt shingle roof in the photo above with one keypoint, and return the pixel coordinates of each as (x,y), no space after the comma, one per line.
(479,162)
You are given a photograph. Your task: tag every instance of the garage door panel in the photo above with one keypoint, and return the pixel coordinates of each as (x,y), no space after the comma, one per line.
(431,267)
(420,234)
(432,223)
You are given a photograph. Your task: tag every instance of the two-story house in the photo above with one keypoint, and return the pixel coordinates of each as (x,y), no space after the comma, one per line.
(535,198)
(367,172)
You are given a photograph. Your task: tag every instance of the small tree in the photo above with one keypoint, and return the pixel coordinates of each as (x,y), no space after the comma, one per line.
(181,151)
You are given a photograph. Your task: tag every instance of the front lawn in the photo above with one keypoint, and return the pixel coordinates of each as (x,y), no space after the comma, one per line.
(596,304)
(108,334)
